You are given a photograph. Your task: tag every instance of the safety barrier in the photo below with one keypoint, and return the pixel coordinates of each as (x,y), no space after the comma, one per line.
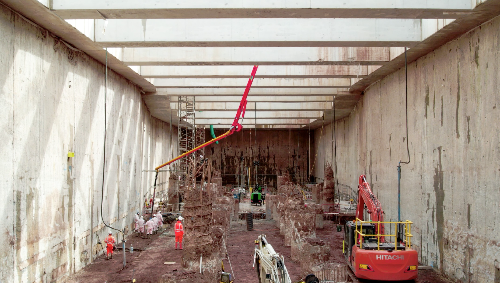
(401,225)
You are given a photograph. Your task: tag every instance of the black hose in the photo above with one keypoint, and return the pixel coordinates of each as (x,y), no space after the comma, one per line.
(104,154)
(154,193)
(406,93)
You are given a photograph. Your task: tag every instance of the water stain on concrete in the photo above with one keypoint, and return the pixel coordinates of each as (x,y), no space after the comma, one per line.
(468,129)
(476,55)
(439,192)
(442,110)
(458,101)
(370,167)
(433,214)
(468,215)
(18,226)
(497,271)
(426,100)
(428,202)
(434,104)
(390,148)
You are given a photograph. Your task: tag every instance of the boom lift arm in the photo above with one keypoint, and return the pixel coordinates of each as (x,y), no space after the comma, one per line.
(270,266)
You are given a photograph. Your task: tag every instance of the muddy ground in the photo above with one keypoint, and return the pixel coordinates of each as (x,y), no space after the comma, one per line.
(241,247)
(147,263)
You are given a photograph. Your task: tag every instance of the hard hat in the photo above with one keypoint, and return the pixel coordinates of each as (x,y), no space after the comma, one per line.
(180,218)
(110,233)
(137,212)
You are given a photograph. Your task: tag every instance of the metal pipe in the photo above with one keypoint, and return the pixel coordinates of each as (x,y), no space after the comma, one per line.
(309,156)
(195,149)
(154,192)
(335,152)
(255,131)
(201,257)
(407,142)
(399,191)
(255,175)
(124,253)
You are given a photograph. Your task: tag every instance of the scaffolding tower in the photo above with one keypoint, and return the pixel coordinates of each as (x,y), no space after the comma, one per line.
(189,137)
(186,133)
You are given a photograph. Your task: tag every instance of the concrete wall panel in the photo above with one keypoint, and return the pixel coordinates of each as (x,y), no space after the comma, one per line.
(450,187)
(7,238)
(52,103)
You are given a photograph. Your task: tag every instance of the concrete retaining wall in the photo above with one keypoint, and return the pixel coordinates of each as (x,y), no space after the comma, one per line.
(450,188)
(52,103)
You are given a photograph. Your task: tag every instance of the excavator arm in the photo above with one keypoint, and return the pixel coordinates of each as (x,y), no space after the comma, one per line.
(374,208)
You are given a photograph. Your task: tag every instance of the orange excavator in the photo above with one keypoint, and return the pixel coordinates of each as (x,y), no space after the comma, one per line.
(378,250)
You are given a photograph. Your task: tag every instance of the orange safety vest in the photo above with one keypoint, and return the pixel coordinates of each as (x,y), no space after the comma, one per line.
(178,228)
(110,240)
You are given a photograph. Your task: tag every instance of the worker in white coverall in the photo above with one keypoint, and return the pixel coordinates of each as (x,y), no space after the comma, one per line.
(140,223)
(149,227)
(160,219)
(155,223)
(136,220)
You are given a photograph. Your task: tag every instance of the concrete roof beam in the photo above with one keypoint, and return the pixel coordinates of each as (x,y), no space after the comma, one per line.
(238,92)
(280,114)
(130,9)
(266,32)
(257,83)
(265,71)
(260,99)
(202,56)
(226,123)
(233,106)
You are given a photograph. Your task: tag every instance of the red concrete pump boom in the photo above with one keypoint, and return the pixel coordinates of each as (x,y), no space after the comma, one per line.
(374,208)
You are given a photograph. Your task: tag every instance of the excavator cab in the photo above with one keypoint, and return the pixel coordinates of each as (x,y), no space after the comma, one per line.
(370,256)
(350,236)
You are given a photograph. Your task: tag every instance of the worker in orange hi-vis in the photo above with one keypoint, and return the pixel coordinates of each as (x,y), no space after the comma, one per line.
(110,243)
(179,232)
